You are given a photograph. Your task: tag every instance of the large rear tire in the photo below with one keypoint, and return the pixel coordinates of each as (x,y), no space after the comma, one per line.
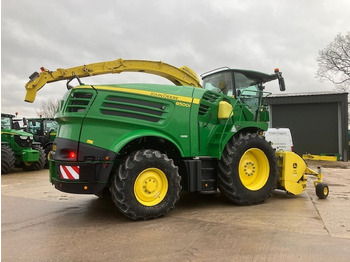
(247,170)
(38,165)
(7,159)
(146,185)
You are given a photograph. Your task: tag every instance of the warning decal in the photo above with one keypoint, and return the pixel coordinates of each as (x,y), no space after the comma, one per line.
(69,172)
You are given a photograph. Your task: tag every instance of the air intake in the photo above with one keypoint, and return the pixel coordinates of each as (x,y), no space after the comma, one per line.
(133,108)
(78,102)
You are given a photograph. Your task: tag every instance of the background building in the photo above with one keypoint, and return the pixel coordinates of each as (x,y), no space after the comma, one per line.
(318,121)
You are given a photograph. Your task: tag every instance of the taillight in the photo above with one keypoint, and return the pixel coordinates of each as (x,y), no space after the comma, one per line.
(68,154)
(72,155)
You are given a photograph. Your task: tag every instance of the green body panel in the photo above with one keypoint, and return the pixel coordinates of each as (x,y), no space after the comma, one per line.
(30,155)
(141,109)
(111,116)
(12,132)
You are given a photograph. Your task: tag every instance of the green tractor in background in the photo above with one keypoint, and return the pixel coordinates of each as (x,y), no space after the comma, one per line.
(44,131)
(18,148)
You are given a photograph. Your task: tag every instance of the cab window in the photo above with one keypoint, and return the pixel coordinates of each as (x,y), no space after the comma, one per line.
(247,91)
(34,127)
(220,82)
(5,123)
(50,125)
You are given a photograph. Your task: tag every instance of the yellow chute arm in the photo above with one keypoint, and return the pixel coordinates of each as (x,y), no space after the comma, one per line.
(179,76)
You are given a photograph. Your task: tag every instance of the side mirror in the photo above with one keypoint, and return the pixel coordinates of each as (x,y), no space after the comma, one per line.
(282,84)
(280,80)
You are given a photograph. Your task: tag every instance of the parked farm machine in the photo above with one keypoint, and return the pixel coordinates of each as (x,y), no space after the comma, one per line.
(142,143)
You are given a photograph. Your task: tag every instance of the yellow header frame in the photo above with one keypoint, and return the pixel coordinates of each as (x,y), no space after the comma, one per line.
(179,76)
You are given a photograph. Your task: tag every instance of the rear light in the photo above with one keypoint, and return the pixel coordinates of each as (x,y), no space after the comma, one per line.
(107,158)
(72,154)
(68,154)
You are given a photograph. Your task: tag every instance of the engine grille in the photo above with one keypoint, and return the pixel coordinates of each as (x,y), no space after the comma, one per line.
(211,97)
(207,99)
(23,142)
(133,108)
(78,102)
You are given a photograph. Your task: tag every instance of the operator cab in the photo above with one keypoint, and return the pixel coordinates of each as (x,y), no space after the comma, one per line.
(233,82)
(244,85)
(42,126)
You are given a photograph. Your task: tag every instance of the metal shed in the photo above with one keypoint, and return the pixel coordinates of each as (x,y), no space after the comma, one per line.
(318,121)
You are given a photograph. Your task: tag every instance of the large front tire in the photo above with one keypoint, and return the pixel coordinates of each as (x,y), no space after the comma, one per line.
(146,185)
(7,159)
(247,170)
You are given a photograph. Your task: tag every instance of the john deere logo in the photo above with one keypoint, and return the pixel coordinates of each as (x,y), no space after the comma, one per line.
(295,165)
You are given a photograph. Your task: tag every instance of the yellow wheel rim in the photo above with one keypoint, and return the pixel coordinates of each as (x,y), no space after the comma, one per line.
(151,186)
(28,163)
(325,191)
(254,169)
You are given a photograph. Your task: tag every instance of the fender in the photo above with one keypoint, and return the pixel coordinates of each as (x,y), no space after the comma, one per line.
(127,138)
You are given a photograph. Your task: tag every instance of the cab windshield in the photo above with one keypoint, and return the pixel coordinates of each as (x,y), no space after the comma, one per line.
(5,122)
(50,125)
(34,126)
(220,82)
(244,86)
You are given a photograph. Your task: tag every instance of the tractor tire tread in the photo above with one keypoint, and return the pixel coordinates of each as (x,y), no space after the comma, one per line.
(122,186)
(7,159)
(228,178)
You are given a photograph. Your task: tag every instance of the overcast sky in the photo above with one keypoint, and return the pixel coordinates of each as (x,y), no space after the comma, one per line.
(258,35)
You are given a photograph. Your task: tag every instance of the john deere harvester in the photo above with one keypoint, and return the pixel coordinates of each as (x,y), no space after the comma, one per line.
(18,148)
(143,143)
